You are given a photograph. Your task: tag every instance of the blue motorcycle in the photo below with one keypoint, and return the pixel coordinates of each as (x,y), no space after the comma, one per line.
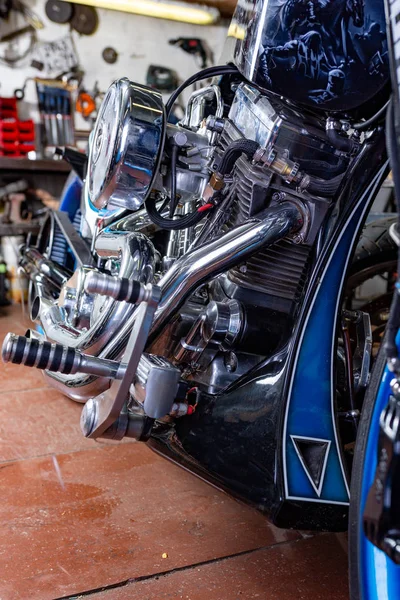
(203,290)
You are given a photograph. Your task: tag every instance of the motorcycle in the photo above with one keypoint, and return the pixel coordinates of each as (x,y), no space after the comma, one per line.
(374,526)
(208,304)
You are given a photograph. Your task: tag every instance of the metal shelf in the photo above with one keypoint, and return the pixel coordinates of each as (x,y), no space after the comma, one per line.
(24,164)
(12,229)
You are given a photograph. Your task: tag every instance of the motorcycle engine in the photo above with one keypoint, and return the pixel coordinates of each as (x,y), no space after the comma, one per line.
(243,315)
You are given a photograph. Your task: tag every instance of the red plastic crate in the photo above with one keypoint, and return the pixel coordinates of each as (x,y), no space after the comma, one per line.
(8,131)
(10,149)
(16,137)
(26,131)
(9,125)
(26,126)
(8,136)
(8,108)
(25,148)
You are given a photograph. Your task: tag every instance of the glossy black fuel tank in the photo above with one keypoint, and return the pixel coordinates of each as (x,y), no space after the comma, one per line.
(326,54)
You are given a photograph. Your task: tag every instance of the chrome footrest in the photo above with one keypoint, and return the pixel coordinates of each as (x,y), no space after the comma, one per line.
(101,413)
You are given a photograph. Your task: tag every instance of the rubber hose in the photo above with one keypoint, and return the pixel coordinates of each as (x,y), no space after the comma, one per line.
(321,166)
(344,144)
(233,151)
(322,187)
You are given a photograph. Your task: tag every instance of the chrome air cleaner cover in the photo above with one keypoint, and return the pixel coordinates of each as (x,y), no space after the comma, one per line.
(127,143)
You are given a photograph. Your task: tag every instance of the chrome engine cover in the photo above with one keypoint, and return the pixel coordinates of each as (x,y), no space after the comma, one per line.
(127,144)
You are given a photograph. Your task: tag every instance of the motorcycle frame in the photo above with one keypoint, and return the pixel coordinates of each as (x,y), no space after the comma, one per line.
(242,439)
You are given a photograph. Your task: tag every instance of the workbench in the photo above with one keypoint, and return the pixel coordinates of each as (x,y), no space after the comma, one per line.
(46,174)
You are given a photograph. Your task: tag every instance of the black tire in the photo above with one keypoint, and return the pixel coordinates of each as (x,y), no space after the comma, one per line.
(375,249)
(357,473)
(375,243)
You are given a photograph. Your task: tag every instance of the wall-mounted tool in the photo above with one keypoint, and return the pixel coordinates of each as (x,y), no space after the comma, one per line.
(162,78)
(196,47)
(85,104)
(19,93)
(59,12)
(110,55)
(84,19)
(55,113)
(26,35)
(20,42)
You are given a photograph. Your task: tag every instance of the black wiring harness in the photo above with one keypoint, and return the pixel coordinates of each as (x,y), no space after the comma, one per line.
(230,156)
(233,151)
(179,223)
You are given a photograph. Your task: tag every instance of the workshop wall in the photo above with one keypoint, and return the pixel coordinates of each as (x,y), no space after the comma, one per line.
(139,41)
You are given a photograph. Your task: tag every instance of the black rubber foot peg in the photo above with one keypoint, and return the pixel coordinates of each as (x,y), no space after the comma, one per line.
(120,289)
(31,352)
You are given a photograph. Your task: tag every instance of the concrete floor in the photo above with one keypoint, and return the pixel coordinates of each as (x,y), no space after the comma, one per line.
(112,521)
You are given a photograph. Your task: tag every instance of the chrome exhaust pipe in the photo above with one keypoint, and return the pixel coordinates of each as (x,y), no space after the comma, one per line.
(177,285)
(211,259)
(192,270)
(31,334)
(33,260)
(44,280)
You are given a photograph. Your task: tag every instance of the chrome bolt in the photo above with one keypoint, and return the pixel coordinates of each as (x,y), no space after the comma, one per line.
(88,417)
(231,362)
(298,238)
(180,138)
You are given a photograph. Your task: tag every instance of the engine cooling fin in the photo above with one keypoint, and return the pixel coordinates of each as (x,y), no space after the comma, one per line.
(280,271)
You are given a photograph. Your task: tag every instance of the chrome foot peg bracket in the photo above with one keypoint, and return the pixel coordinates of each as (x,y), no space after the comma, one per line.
(106,415)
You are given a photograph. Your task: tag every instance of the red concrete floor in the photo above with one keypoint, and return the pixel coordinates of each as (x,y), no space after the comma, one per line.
(106,521)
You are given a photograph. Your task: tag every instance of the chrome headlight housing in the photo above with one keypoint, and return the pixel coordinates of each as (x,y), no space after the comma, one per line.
(126,147)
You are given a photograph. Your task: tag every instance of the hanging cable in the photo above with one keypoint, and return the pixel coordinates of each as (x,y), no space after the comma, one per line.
(364,125)
(180,223)
(174,200)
